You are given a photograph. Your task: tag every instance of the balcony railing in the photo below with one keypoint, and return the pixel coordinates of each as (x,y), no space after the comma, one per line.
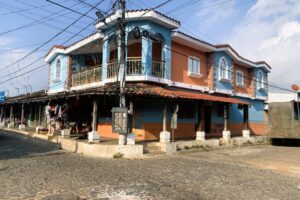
(87,76)
(159,68)
(112,68)
(134,66)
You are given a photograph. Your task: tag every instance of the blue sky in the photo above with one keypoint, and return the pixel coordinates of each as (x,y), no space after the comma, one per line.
(259,30)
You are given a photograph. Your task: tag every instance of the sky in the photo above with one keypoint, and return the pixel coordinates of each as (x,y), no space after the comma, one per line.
(258,30)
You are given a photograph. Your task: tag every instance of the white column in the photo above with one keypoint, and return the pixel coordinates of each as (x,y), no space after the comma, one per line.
(40,112)
(22,125)
(11,112)
(200,134)
(246,131)
(226,132)
(164,136)
(94,136)
(131,136)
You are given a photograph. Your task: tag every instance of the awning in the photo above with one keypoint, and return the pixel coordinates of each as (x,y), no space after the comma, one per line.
(172,92)
(135,89)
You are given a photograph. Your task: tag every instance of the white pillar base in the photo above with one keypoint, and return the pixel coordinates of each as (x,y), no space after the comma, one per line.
(164,137)
(246,134)
(10,125)
(122,139)
(37,129)
(65,132)
(93,136)
(200,135)
(130,138)
(226,135)
(22,127)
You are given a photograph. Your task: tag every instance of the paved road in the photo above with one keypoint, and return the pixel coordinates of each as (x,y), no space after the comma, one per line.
(29,170)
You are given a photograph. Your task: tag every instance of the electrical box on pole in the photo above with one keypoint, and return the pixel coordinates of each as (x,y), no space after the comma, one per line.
(119,120)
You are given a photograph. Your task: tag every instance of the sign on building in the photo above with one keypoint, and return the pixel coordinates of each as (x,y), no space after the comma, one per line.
(119,120)
(2,96)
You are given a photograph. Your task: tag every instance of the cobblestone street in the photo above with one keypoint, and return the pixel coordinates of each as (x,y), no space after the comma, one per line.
(31,170)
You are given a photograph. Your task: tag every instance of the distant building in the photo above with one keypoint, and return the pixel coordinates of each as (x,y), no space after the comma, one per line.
(284,115)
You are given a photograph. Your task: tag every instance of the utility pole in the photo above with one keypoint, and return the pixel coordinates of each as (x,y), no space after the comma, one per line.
(122,35)
(122,67)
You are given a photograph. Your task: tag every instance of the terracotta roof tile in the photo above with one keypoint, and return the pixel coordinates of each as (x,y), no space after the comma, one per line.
(134,89)
(145,10)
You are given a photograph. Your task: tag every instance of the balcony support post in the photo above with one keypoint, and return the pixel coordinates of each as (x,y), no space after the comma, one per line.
(200,134)
(105,57)
(93,136)
(11,117)
(147,56)
(22,125)
(246,131)
(226,132)
(164,136)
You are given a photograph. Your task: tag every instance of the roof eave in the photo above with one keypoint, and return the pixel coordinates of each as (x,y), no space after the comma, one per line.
(141,15)
(198,43)
(73,46)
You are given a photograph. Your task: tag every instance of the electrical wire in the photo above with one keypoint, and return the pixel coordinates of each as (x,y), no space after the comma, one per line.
(48,11)
(228,70)
(24,10)
(75,11)
(34,19)
(40,57)
(53,37)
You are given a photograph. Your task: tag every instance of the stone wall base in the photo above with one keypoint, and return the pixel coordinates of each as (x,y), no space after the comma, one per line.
(102,150)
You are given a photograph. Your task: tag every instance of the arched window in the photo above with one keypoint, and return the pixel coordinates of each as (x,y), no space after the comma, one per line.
(223,68)
(58,69)
(260,80)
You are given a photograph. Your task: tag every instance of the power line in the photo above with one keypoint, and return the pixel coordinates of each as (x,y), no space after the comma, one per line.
(43,56)
(40,21)
(30,53)
(39,67)
(71,9)
(246,76)
(186,4)
(24,10)
(34,19)
(28,45)
(154,8)
(65,16)
(201,8)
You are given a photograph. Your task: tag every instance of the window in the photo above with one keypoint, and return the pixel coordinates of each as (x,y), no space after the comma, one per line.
(260,80)
(58,70)
(194,66)
(223,66)
(239,78)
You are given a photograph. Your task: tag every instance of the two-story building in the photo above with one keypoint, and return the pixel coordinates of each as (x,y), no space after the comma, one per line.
(218,92)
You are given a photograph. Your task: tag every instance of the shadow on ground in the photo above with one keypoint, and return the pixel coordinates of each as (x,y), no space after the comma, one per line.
(13,145)
(286,142)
